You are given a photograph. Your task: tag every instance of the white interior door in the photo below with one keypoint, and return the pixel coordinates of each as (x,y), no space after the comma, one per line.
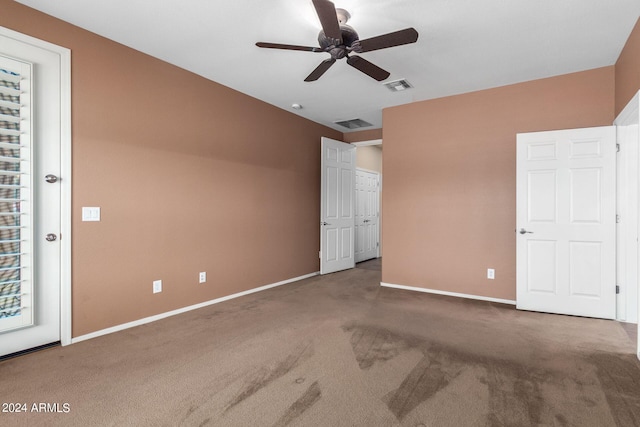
(30,205)
(566,226)
(337,220)
(367,215)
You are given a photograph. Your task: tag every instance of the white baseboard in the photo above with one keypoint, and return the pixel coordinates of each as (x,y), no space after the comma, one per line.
(451,294)
(185,309)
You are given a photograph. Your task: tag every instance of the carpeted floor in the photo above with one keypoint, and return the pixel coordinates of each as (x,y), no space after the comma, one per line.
(372,264)
(337,350)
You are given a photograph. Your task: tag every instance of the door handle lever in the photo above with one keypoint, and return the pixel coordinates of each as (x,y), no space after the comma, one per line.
(324,223)
(523,231)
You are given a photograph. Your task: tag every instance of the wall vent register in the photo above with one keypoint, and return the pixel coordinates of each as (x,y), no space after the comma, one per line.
(398,85)
(354,124)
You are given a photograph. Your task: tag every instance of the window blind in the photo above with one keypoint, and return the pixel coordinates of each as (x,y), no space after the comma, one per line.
(16,277)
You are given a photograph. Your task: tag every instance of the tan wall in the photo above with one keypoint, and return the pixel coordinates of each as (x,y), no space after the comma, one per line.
(628,70)
(449,194)
(363,135)
(369,157)
(216,182)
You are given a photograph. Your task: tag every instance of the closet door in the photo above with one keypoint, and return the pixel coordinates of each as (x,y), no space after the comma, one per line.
(566,222)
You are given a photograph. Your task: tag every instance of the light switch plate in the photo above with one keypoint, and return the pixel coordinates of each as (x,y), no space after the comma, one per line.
(91,214)
(157,286)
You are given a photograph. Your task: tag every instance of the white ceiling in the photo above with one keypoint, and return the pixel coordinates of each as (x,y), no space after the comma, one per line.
(464,45)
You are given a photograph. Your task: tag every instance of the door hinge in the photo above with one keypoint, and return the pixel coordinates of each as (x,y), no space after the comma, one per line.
(617,148)
(377,244)
(617,219)
(617,289)
(320,254)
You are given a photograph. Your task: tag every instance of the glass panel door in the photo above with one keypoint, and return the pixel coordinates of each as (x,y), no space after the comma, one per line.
(16,275)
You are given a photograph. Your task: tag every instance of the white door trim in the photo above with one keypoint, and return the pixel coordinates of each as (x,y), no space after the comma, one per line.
(367,143)
(627,223)
(628,198)
(629,116)
(65,175)
(378,190)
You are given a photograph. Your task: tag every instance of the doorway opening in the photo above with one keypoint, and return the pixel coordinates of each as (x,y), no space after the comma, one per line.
(368,221)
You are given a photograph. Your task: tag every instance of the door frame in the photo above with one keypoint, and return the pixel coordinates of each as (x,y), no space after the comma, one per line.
(380,175)
(65,174)
(630,115)
(379,190)
(627,210)
(367,143)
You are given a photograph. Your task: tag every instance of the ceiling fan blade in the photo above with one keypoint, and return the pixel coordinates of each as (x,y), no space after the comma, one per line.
(326,11)
(397,38)
(368,68)
(289,47)
(320,70)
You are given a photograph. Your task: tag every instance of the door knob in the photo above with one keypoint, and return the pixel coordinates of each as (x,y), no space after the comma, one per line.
(51,237)
(324,223)
(523,231)
(51,178)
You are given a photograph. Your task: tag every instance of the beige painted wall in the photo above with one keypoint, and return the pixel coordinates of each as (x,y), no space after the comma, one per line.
(183,188)
(363,135)
(449,193)
(628,70)
(369,157)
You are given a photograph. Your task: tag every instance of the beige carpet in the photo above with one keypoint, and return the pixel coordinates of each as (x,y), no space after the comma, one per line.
(338,350)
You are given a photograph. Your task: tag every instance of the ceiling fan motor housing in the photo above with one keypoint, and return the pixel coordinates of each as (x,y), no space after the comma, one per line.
(335,48)
(340,40)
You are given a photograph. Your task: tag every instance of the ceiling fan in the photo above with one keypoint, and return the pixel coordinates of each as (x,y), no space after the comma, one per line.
(340,40)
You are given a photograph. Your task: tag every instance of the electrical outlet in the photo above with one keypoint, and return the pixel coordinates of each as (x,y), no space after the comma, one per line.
(157,286)
(203,276)
(491,273)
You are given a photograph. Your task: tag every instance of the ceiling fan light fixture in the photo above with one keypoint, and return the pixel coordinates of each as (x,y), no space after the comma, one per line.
(343,16)
(398,85)
(340,40)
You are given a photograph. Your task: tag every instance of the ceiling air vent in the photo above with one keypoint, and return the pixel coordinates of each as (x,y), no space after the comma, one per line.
(354,123)
(398,85)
